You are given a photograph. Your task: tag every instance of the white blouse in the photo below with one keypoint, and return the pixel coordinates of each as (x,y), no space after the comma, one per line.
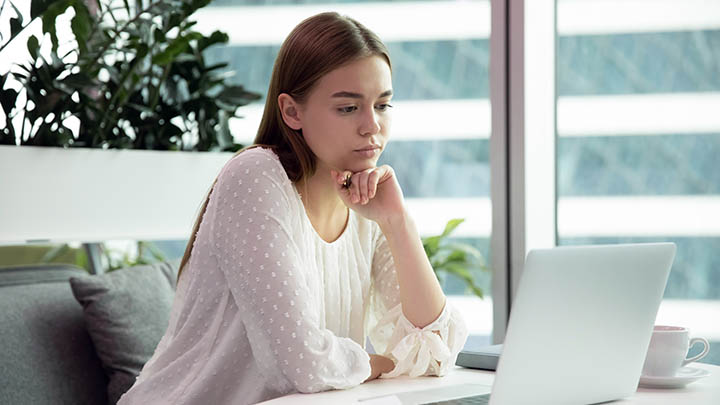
(266,307)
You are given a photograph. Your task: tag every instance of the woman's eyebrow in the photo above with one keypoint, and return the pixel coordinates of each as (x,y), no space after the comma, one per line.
(349,94)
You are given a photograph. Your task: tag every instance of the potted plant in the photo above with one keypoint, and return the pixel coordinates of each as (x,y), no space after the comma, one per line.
(132,76)
(135,78)
(454,258)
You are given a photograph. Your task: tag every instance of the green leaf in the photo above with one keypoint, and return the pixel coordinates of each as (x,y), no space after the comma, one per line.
(464,274)
(216,37)
(174,20)
(169,130)
(237,95)
(451,225)
(16,23)
(38,7)
(226,106)
(193,36)
(78,81)
(458,270)
(141,50)
(216,66)
(15,26)
(176,47)
(431,245)
(477,290)
(457,256)
(235,147)
(33,45)
(474,253)
(81,25)
(191,6)
(158,35)
(50,15)
(7,134)
(8,98)
(187,25)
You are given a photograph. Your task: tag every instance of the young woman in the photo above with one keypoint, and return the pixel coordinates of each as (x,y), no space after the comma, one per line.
(304,246)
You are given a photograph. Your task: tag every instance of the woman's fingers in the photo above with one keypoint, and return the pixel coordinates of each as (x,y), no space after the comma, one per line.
(341,178)
(363,185)
(368,180)
(347,183)
(361,190)
(373,182)
(354,189)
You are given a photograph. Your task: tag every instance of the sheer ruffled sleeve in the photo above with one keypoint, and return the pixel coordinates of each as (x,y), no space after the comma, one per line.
(431,350)
(252,240)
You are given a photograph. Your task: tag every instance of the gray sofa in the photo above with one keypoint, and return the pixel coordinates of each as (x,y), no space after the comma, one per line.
(47,356)
(81,342)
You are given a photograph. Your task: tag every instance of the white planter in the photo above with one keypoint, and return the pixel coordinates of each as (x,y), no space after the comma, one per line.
(91,195)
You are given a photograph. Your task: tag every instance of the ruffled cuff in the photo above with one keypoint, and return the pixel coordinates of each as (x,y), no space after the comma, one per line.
(431,350)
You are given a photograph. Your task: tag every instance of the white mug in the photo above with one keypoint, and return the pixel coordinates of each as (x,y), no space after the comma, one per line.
(668,350)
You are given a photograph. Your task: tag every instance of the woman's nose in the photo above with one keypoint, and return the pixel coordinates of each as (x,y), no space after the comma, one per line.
(370,124)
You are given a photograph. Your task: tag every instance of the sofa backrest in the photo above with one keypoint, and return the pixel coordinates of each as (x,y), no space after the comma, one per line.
(47,356)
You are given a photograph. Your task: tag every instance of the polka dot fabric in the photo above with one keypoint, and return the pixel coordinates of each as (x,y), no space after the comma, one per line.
(265,307)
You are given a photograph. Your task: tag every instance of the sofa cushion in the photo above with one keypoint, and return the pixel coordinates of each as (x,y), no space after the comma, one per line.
(47,356)
(126,313)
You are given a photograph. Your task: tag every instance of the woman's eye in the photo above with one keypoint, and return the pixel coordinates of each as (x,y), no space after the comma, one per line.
(347,110)
(383,107)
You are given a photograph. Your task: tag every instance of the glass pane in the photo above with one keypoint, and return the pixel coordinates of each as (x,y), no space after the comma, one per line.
(113,254)
(38,254)
(441,87)
(638,141)
(117,254)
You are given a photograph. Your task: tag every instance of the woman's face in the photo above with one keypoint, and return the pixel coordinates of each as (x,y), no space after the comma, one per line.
(346,113)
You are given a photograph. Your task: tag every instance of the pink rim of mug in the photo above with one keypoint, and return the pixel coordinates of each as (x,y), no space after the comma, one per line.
(666,328)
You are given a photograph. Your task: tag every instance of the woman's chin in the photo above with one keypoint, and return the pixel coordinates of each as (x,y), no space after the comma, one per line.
(359,166)
(354,164)
(360,163)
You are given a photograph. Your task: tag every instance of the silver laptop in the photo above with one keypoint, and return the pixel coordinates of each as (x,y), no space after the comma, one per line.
(579,328)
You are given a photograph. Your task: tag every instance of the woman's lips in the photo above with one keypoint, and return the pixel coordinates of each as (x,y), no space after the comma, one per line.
(368,152)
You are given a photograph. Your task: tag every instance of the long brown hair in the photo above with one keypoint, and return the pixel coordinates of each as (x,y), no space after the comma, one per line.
(317,46)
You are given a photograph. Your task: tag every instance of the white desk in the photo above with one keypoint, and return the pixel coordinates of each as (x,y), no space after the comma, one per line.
(703,392)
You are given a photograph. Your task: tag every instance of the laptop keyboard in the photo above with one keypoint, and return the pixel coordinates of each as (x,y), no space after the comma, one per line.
(474,400)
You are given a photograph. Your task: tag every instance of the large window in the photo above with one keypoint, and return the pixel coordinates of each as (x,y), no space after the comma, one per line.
(638,140)
(615,137)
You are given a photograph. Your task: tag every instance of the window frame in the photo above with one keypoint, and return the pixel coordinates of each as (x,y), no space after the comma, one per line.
(524,121)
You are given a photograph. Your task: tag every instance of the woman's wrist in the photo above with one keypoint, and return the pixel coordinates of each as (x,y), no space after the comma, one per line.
(379,365)
(395,222)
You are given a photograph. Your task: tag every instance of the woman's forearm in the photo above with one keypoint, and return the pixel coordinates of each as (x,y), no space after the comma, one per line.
(420,293)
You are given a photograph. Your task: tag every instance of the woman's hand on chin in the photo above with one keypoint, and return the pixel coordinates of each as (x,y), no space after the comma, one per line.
(373,193)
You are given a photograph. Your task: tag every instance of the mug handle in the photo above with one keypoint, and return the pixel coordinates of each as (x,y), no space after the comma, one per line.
(701,355)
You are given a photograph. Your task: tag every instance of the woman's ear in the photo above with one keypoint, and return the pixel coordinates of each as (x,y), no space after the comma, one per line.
(290,111)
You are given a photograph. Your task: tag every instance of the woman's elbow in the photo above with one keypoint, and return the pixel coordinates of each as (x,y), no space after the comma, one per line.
(309,384)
